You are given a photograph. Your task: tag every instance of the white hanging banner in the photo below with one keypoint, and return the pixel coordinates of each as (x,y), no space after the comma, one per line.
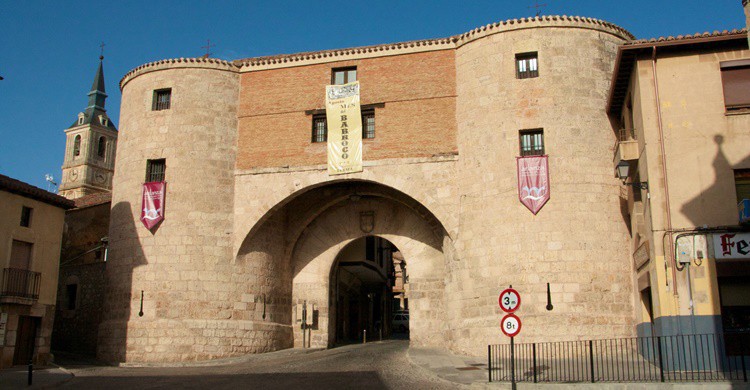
(344,120)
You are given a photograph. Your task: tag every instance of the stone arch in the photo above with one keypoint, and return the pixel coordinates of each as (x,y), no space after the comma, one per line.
(315,252)
(287,258)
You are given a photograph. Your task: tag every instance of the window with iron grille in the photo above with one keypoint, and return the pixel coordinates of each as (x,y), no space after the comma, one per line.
(343,75)
(532,142)
(527,65)
(25,216)
(162,99)
(155,170)
(319,128)
(368,124)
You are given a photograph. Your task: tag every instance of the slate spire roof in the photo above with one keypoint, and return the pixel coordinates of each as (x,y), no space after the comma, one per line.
(95,112)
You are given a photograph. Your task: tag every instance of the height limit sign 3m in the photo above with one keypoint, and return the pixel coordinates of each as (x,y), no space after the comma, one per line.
(509,300)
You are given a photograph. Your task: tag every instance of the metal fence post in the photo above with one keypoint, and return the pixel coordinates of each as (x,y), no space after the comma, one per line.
(489,362)
(661,360)
(512,366)
(591,360)
(533,352)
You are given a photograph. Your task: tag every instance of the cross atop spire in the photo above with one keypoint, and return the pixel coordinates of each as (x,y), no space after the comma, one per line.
(97,96)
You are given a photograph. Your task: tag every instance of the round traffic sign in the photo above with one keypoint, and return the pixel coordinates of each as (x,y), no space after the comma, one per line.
(510,325)
(509,300)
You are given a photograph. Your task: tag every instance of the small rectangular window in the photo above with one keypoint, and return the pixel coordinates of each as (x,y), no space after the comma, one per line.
(162,99)
(344,75)
(527,65)
(735,79)
(532,142)
(368,124)
(26,216)
(72,295)
(319,128)
(155,170)
(742,184)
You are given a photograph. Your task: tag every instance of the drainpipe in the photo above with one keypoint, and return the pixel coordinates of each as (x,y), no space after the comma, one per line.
(668,231)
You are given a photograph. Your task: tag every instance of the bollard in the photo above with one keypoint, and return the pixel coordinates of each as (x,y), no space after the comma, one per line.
(31,370)
(364,336)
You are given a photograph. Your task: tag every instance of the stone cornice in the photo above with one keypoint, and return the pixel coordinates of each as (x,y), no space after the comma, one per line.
(390,49)
(176,63)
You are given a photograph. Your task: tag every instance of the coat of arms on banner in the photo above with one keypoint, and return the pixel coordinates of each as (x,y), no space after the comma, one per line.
(533,182)
(152,211)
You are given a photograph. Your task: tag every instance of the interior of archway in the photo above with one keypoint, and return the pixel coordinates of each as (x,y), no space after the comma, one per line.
(369,292)
(286,261)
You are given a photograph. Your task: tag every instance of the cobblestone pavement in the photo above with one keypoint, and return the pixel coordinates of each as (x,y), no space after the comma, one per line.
(383,365)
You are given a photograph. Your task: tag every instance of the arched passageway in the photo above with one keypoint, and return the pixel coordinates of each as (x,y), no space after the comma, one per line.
(369,292)
(294,258)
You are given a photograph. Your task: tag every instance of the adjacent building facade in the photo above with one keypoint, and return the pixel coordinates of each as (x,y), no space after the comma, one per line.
(682,109)
(30,235)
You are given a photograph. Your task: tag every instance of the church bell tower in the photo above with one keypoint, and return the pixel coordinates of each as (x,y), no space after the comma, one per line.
(90,146)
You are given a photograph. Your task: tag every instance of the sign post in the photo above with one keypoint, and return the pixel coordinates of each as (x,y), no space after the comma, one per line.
(510,325)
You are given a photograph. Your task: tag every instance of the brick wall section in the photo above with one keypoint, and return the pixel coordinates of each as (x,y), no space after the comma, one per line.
(418,118)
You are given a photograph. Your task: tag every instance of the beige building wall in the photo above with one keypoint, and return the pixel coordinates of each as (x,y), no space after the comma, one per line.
(703,145)
(45,234)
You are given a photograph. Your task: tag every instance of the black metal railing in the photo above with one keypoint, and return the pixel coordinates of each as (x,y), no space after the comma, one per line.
(20,283)
(680,358)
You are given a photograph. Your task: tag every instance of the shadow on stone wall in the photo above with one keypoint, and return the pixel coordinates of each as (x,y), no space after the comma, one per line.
(125,254)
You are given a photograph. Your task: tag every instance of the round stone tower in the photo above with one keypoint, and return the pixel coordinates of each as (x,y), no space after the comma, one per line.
(168,286)
(547,76)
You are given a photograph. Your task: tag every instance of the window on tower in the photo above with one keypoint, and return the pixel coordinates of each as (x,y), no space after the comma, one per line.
(527,65)
(155,170)
(162,99)
(532,142)
(102,149)
(77,146)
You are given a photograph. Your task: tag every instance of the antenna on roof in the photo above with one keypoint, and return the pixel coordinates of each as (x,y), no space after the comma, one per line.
(208,48)
(537,7)
(50,181)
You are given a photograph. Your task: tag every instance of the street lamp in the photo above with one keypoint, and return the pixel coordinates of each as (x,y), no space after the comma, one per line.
(623,172)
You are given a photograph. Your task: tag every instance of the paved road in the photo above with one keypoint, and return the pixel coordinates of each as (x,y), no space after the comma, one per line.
(383,365)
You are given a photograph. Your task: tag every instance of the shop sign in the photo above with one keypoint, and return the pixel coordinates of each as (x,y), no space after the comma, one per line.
(732,246)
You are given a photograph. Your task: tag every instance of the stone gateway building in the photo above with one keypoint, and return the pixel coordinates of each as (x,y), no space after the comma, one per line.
(261,249)
(254,225)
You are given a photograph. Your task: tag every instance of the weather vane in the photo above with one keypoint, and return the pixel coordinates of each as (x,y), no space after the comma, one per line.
(537,7)
(101,53)
(208,48)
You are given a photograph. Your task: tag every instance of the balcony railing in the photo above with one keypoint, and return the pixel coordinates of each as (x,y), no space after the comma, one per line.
(20,283)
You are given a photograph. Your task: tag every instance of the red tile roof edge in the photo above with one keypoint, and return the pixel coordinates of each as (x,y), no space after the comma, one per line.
(18,187)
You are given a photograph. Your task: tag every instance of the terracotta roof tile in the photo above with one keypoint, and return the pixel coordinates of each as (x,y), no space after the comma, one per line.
(93,199)
(686,38)
(24,189)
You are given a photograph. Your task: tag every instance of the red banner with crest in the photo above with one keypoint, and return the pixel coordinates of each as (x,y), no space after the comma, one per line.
(533,182)
(152,211)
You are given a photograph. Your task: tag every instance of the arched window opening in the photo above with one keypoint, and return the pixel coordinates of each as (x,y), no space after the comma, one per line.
(101,150)
(77,146)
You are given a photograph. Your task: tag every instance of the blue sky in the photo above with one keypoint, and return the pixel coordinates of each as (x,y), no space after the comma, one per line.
(49,50)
